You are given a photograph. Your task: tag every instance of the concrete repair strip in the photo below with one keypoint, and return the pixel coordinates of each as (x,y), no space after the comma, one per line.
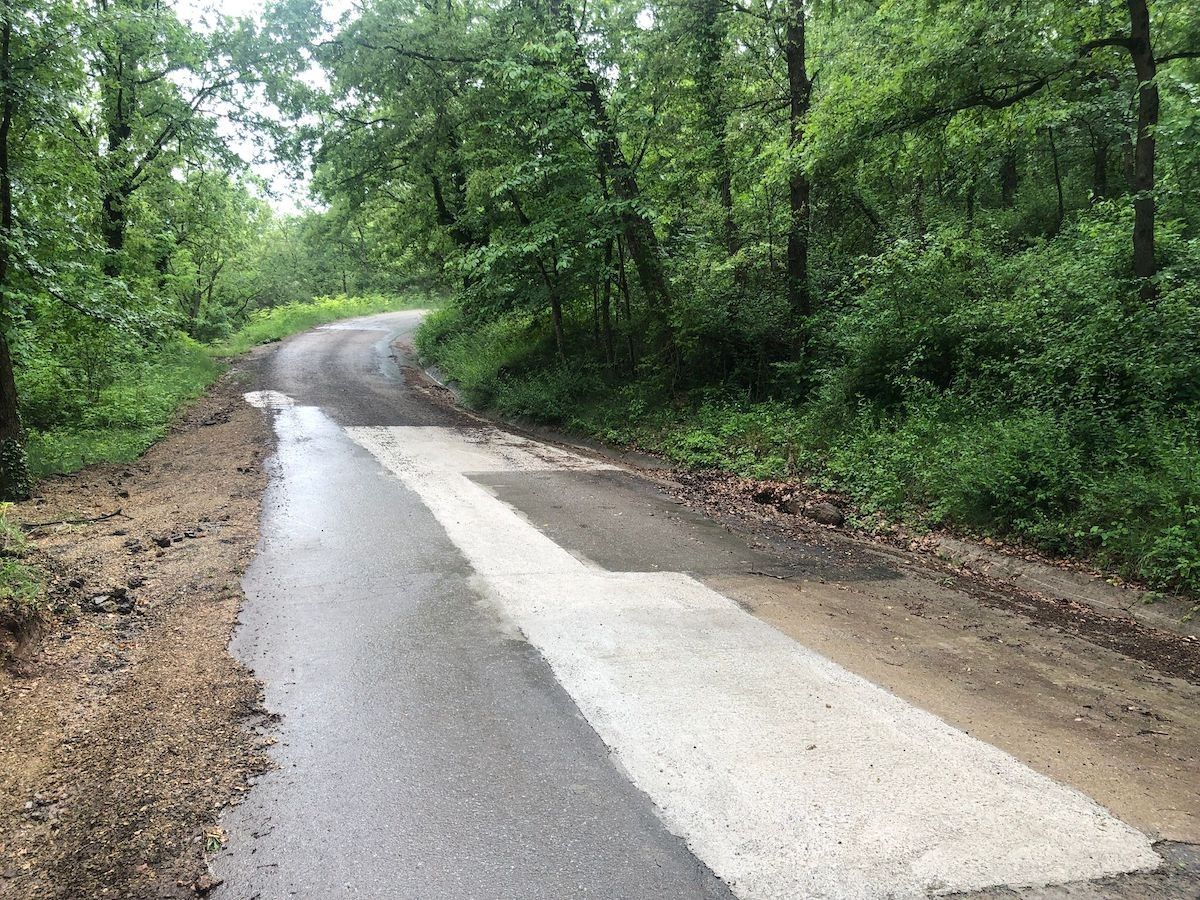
(786,774)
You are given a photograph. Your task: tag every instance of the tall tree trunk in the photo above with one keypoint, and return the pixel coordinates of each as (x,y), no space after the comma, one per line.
(444,217)
(710,38)
(112,229)
(14,471)
(118,101)
(640,238)
(800,94)
(449,220)
(1141,50)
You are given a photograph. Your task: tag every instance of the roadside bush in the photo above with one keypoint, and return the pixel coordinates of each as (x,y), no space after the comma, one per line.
(482,361)
(128,415)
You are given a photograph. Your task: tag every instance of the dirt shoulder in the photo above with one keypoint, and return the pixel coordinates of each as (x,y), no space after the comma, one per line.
(1077,604)
(128,726)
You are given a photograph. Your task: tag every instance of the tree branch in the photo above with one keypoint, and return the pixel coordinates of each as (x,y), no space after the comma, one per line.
(416,54)
(747,11)
(1116,40)
(1178,54)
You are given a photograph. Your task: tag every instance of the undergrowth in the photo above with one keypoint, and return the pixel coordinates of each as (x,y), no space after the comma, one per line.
(22,590)
(128,414)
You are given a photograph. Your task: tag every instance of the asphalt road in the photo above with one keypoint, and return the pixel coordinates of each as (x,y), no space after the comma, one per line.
(501,671)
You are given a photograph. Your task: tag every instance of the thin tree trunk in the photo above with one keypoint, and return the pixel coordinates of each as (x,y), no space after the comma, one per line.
(918,204)
(1127,163)
(871,216)
(1100,145)
(710,37)
(606,307)
(556,312)
(1140,49)
(597,342)
(1009,180)
(550,279)
(1058,185)
(800,94)
(769,209)
(14,470)
(623,284)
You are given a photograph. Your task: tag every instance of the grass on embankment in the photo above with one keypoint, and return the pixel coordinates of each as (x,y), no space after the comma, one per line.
(127,415)
(134,410)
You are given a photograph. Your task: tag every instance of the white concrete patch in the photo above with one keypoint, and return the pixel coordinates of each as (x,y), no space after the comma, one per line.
(268,399)
(788,775)
(481,448)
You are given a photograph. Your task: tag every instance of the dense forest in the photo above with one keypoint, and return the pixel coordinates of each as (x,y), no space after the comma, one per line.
(943,257)
(134,235)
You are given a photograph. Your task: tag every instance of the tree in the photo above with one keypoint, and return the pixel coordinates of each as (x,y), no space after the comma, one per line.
(35,52)
(1139,44)
(799,101)
(638,231)
(704,27)
(14,471)
(158,81)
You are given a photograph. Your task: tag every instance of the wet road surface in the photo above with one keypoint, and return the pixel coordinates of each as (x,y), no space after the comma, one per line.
(501,673)
(425,749)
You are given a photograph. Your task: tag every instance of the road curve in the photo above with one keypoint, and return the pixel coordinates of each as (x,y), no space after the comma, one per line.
(500,673)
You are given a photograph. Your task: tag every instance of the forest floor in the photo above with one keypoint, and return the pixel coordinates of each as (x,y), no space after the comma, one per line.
(126,726)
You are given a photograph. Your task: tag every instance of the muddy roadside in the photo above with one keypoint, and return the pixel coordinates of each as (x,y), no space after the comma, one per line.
(126,726)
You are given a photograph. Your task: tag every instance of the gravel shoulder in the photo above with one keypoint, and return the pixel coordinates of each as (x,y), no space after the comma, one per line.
(127,726)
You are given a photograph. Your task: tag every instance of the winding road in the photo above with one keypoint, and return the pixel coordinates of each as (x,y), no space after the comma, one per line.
(509,669)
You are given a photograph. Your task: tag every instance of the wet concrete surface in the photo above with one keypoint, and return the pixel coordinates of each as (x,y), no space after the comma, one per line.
(624,523)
